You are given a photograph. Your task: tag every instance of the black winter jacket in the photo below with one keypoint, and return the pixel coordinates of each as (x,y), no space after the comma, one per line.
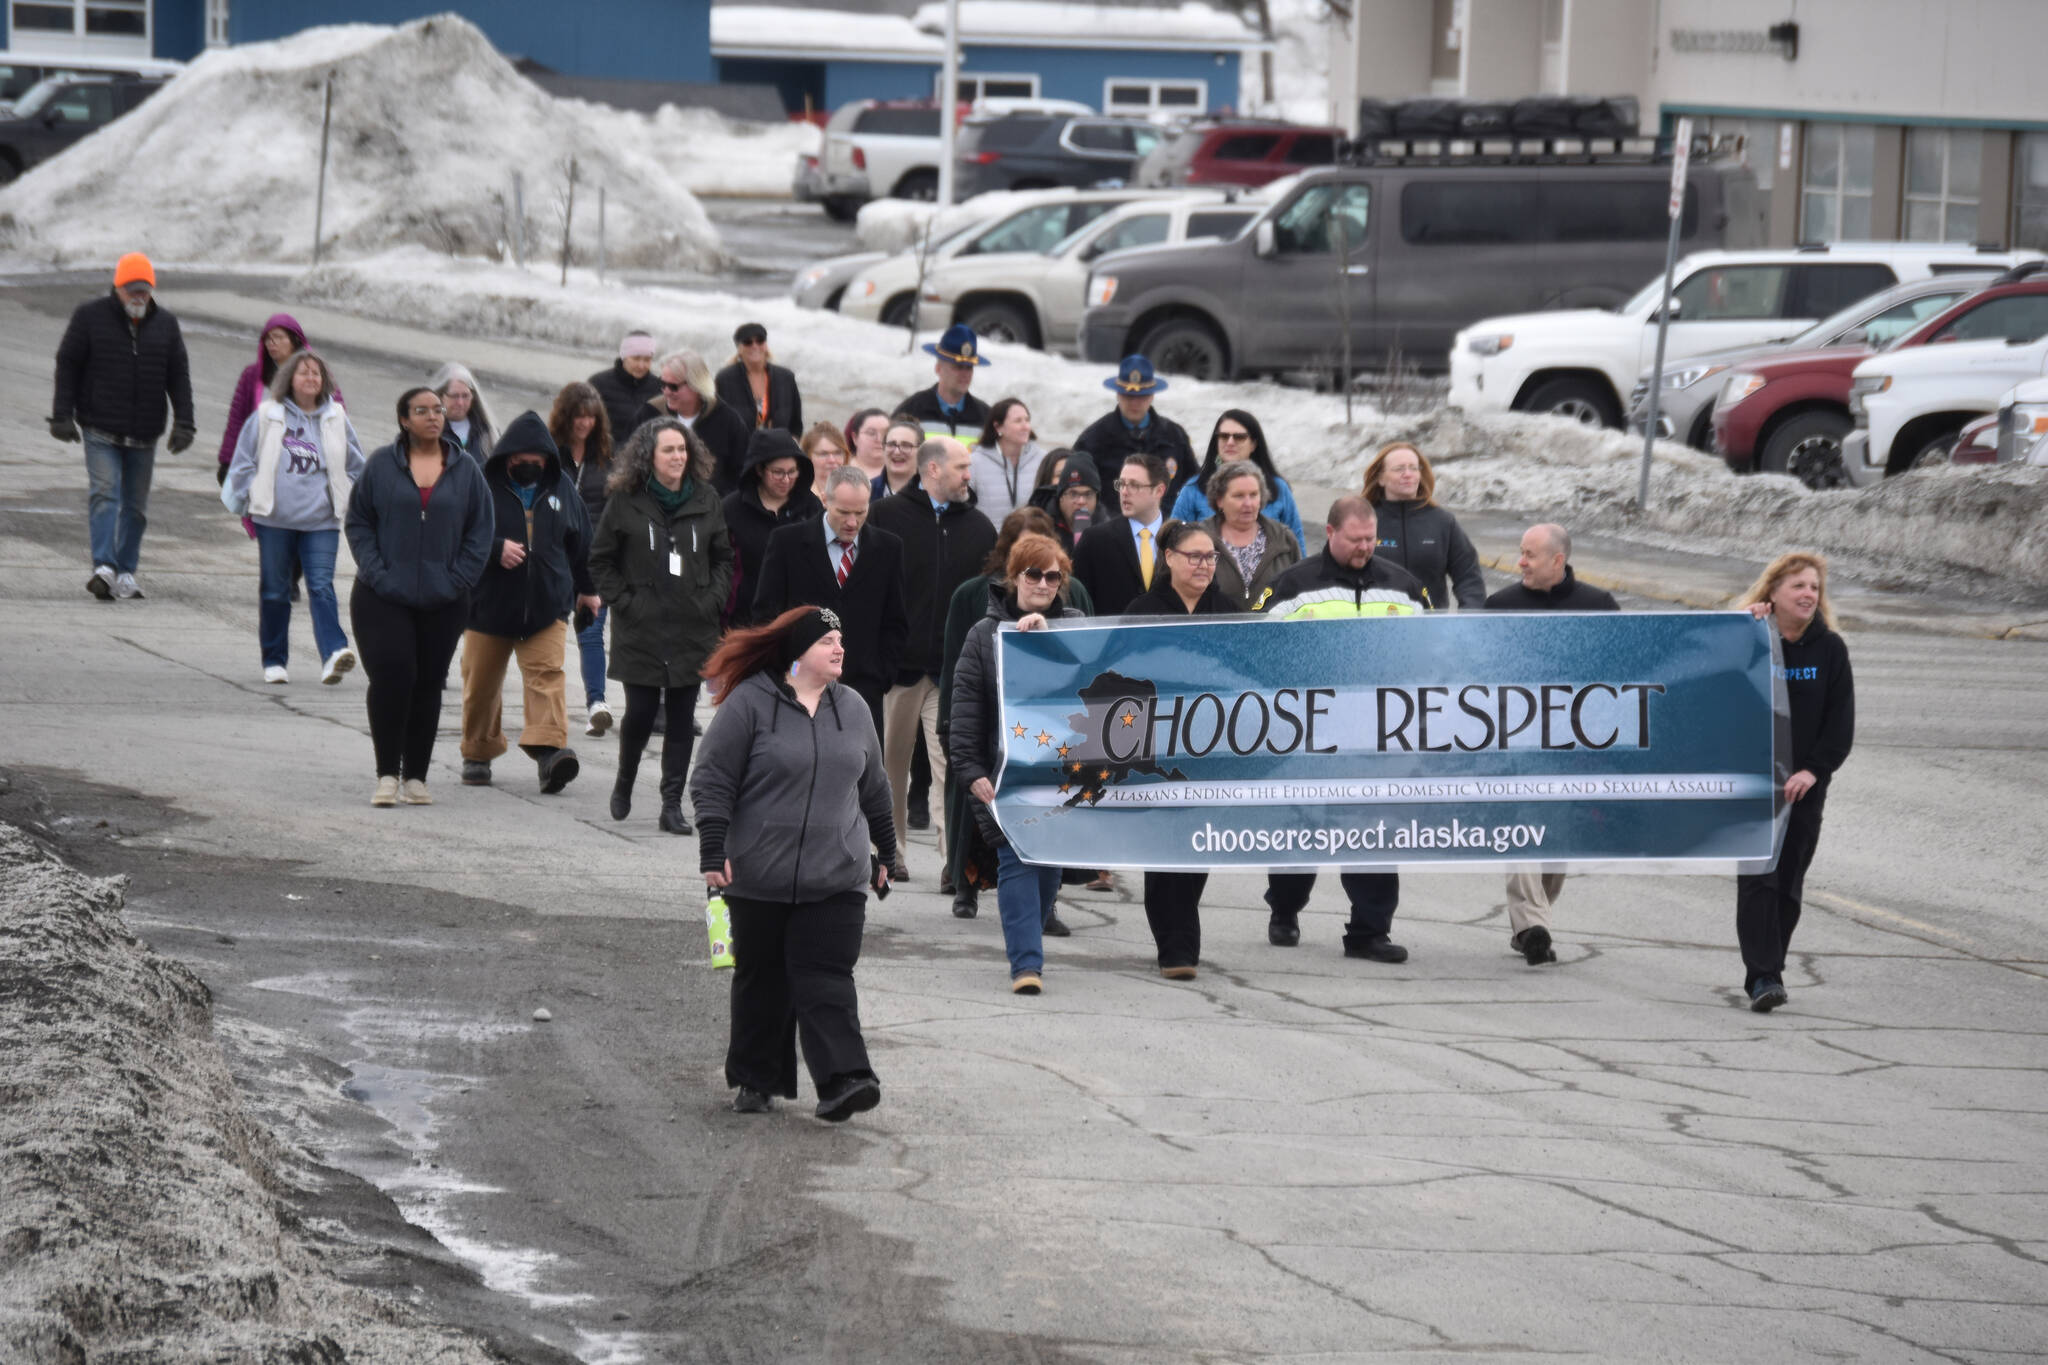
(1428,542)
(720,427)
(1111,443)
(517,603)
(1822,692)
(664,625)
(114,378)
(1567,594)
(1164,601)
(801,570)
(974,743)
(750,524)
(420,558)
(785,403)
(940,552)
(590,480)
(1377,580)
(623,395)
(967,424)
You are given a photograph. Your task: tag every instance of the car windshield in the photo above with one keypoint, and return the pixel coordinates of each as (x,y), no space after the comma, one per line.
(1644,298)
(36,96)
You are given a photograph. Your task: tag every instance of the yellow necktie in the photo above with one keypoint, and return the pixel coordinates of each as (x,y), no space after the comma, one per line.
(1145,555)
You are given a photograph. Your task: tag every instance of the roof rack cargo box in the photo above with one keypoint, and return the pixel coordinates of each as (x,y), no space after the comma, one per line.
(1539,116)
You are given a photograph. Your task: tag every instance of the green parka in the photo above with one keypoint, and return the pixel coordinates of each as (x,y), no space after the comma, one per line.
(664,625)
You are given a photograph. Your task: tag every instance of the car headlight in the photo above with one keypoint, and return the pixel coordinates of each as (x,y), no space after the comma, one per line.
(1863,385)
(1101,290)
(810,277)
(1740,385)
(1491,344)
(861,288)
(2029,423)
(1691,375)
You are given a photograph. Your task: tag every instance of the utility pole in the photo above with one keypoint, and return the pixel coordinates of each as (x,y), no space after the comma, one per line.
(1681,155)
(949,99)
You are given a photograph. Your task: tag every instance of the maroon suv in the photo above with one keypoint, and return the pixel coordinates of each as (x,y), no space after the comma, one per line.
(1237,153)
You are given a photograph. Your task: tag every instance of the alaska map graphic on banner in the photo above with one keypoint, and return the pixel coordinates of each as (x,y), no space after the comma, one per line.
(1644,740)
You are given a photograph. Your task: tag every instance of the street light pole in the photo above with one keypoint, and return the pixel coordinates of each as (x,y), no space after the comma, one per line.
(949,97)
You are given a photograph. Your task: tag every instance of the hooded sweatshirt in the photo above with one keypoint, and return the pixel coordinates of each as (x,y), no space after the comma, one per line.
(548,518)
(791,799)
(749,523)
(255,382)
(1077,472)
(293,469)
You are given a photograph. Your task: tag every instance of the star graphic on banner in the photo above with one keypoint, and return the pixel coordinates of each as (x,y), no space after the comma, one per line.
(1064,787)
(1104,774)
(1077,767)
(1129,718)
(1063,751)
(1017,730)
(1043,739)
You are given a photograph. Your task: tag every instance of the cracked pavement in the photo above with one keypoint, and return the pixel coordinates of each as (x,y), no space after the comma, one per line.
(1295,1157)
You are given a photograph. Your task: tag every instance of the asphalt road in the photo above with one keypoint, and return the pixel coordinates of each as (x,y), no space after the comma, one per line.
(1296,1157)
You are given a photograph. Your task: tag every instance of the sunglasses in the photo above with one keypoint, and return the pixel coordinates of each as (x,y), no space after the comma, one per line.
(1052,576)
(753,341)
(1233,436)
(675,388)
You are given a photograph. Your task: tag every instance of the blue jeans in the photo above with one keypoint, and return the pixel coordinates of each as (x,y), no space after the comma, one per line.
(1024,897)
(117,506)
(278,550)
(590,643)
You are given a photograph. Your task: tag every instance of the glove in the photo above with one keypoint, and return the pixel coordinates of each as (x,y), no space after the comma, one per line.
(220,475)
(63,429)
(181,437)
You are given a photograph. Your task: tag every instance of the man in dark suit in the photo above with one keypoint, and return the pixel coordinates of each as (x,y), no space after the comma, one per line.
(1118,559)
(856,570)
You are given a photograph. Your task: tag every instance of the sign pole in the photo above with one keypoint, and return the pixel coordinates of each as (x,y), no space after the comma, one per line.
(320,193)
(1681,156)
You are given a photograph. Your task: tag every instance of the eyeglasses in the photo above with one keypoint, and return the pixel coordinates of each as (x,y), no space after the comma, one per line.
(899,445)
(1052,576)
(1200,559)
(779,473)
(1129,486)
(675,388)
(1233,436)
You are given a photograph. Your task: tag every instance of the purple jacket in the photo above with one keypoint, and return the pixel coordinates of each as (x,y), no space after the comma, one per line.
(251,388)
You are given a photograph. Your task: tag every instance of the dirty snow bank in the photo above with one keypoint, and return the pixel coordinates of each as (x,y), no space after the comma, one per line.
(142,1218)
(429,124)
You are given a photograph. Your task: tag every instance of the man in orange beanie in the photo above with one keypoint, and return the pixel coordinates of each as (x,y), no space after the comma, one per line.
(122,358)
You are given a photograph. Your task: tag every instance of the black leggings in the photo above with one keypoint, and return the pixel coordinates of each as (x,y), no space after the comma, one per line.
(641,705)
(405,651)
(1767,904)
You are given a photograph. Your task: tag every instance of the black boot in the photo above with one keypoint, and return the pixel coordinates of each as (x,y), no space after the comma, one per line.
(672,807)
(622,789)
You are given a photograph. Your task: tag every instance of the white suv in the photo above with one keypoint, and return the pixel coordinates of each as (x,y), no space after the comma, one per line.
(889,149)
(1031,288)
(1583,362)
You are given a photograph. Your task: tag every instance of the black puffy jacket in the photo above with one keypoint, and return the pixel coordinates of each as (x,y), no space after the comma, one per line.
(114,377)
(416,556)
(517,603)
(623,395)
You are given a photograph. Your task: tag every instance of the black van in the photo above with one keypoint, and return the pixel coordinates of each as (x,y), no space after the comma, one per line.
(1408,252)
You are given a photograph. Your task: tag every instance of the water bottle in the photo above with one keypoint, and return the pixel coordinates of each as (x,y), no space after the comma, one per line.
(718,923)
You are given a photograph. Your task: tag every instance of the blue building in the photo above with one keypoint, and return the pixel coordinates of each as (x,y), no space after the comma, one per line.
(646,40)
(1116,58)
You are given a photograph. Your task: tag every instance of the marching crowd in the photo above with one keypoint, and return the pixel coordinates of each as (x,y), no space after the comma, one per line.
(839,586)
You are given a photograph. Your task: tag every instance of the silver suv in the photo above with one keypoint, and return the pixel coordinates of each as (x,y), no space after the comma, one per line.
(1404,254)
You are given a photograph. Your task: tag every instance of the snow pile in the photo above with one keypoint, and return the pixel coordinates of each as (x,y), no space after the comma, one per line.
(708,153)
(429,124)
(142,1220)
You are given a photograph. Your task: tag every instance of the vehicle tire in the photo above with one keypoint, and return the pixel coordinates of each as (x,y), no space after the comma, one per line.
(1701,437)
(840,208)
(1933,450)
(831,304)
(1185,346)
(1581,400)
(918,184)
(996,320)
(896,312)
(10,169)
(1809,448)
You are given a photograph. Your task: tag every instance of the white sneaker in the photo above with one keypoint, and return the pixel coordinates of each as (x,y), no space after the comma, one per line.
(338,663)
(101,584)
(387,792)
(413,792)
(600,718)
(274,673)
(126,586)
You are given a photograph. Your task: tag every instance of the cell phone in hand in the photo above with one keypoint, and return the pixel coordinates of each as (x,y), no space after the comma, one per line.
(875,883)
(584,618)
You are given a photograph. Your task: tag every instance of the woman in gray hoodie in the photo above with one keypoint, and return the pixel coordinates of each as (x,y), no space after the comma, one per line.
(789,793)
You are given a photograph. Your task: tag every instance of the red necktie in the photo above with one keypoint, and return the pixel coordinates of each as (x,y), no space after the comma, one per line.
(845,559)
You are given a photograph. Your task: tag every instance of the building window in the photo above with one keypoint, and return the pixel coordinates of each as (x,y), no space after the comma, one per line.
(1753,142)
(217,23)
(1942,175)
(1840,162)
(87,18)
(973,88)
(2030,192)
(45,18)
(1147,97)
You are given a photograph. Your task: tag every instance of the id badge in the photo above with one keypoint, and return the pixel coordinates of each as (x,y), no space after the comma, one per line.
(675,564)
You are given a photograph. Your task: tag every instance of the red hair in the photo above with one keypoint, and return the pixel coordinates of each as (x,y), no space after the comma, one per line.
(745,652)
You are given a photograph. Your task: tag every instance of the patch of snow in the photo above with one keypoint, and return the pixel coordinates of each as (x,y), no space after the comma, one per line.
(1026,20)
(706,152)
(771,27)
(1305,34)
(429,124)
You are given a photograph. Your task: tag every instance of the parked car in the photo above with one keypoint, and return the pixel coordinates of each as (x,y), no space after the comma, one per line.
(886,292)
(2019,431)
(1037,297)
(1035,151)
(821,283)
(1909,402)
(17,75)
(1787,414)
(1427,247)
(58,112)
(1978,443)
(1236,152)
(1579,363)
(889,149)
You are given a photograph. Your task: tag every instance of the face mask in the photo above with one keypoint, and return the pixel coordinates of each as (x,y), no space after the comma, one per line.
(526,475)
(136,310)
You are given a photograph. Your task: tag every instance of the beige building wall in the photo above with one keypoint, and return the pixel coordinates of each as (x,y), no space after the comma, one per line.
(1385,55)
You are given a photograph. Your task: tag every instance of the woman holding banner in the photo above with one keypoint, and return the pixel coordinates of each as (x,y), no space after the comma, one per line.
(1028,593)
(1792,592)
(1173,900)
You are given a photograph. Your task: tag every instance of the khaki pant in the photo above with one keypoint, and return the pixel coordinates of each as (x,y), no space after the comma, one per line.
(1530,896)
(540,655)
(905,710)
